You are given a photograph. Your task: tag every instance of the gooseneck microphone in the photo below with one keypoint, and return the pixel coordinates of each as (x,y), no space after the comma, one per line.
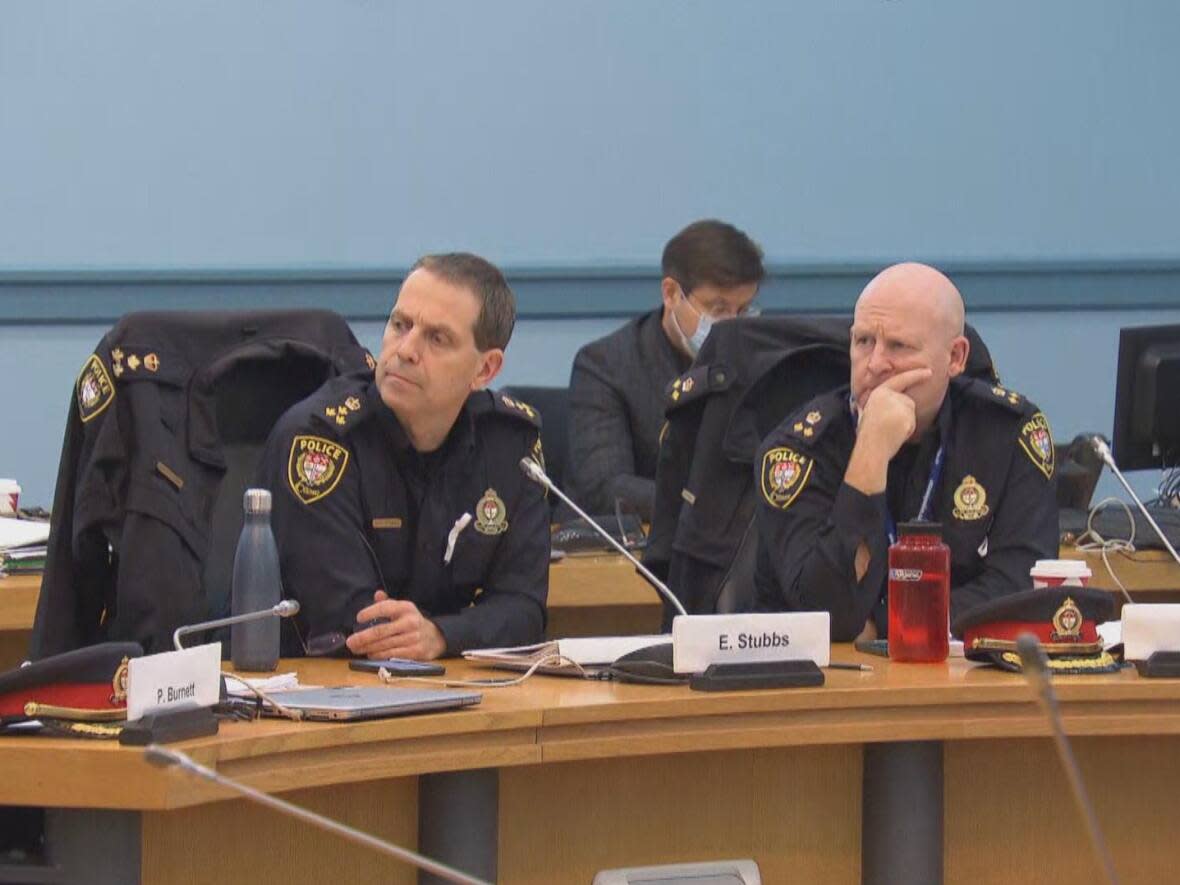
(162,757)
(284,609)
(1036,671)
(1104,453)
(537,474)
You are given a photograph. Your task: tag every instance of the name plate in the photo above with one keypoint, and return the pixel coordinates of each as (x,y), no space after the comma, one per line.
(701,640)
(174,680)
(1150,627)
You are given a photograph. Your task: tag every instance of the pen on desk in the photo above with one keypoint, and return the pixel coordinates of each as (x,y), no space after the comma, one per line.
(864,668)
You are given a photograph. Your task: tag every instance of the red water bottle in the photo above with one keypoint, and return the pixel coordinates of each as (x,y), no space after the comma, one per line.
(919,594)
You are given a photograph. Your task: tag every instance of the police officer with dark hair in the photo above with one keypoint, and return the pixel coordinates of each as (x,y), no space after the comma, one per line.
(398,497)
(710,271)
(910,439)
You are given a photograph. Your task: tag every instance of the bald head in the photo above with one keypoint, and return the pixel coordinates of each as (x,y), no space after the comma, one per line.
(908,316)
(919,290)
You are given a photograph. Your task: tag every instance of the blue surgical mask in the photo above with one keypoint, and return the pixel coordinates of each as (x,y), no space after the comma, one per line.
(695,341)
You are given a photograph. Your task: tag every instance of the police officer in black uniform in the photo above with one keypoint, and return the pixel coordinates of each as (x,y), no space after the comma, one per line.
(398,497)
(909,439)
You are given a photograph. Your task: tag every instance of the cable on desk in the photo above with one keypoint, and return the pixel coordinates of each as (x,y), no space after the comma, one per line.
(549,660)
(1106,546)
(286,712)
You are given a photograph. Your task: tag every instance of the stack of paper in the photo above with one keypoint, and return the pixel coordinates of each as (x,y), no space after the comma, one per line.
(590,651)
(22,546)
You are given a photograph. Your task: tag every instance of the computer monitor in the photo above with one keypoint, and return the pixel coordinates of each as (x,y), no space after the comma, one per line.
(1147,398)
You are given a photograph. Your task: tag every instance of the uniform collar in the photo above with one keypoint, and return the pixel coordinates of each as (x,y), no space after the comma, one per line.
(461,436)
(944,418)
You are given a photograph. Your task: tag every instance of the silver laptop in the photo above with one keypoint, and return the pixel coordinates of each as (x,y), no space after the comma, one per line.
(351,702)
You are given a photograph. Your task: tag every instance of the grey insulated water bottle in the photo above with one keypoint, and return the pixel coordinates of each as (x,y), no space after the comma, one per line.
(256,586)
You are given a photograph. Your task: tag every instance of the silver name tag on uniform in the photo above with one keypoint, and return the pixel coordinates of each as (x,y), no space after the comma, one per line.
(701,640)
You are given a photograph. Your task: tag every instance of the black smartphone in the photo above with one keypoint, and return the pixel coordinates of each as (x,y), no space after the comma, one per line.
(398,667)
(878,647)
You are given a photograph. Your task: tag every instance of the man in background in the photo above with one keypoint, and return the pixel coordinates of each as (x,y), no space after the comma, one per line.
(711,271)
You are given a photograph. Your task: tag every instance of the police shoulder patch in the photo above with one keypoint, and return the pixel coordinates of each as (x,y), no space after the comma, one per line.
(1037,441)
(314,467)
(784,475)
(94,389)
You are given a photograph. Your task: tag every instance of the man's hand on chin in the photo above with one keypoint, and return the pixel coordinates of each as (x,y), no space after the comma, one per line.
(887,421)
(406,634)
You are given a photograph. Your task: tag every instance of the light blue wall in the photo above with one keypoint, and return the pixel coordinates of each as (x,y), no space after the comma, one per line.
(295,133)
(211,149)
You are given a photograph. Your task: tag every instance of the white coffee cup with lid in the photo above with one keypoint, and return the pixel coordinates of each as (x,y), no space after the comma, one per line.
(1060,573)
(9,497)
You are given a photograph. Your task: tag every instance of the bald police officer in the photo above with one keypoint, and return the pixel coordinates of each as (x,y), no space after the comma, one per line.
(910,438)
(398,496)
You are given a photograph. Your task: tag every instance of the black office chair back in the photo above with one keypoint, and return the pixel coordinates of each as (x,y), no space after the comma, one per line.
(148,506)
(552,403)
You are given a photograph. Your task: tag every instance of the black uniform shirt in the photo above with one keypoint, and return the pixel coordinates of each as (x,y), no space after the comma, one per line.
(995,498)
(357,508)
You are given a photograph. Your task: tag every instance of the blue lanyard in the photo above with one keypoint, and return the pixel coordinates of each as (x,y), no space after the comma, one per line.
(926,510)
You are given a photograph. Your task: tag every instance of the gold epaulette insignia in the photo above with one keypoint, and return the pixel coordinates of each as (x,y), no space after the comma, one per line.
(519,406)
(1010,396)
(341,412)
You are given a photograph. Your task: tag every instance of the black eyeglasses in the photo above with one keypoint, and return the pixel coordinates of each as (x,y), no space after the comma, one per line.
(321,645)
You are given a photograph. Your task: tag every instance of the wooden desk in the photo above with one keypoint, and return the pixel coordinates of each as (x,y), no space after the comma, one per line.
(594,775)
(18,605)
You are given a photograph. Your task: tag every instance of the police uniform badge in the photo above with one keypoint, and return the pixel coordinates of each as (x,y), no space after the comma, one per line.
(970,500)
(119,683)
(1037,441)
(1067,623)
(784,474)
(94,387)
(491,516)
(315,467)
